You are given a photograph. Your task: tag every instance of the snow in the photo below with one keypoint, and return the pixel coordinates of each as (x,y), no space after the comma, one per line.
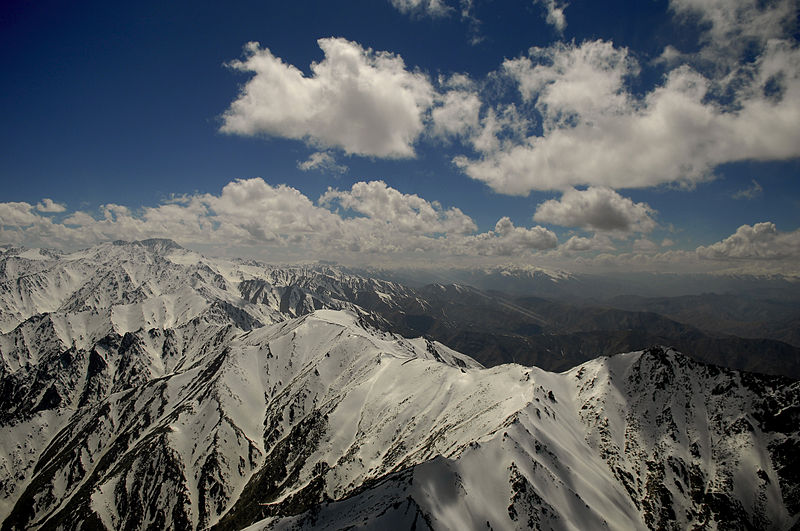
(34,254)
(196,398)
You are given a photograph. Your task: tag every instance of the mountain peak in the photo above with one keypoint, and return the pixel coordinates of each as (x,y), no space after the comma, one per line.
(158,245)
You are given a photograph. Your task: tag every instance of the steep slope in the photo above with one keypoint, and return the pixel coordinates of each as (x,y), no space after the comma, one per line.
(80,327)
(323,419)
(249,422)
(140,310)
(642,440)
(143,386)
(131,287)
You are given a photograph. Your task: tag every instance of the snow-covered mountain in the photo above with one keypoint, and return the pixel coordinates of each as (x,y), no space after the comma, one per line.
(143,386)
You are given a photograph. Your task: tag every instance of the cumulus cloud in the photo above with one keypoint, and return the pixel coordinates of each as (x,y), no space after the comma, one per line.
(359,100)
(17,214)
(596,131)
(761,241)
(500,128)
(750,192)
(252,217)
(596,208)
(322,161)
(509,240)
(555,13)
(79,219)
(50,206)
(670,56)
(403,212)
(569,82)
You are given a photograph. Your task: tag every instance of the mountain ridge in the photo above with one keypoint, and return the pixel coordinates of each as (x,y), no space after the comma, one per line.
(163,389)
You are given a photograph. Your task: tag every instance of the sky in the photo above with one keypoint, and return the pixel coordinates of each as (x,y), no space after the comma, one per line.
(658,135)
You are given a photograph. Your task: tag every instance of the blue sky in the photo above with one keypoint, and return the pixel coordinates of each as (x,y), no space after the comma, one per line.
(658,135)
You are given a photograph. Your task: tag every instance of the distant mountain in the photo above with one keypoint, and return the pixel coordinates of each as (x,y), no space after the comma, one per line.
(744,316)
(495,328)
(522,280)
(519,281)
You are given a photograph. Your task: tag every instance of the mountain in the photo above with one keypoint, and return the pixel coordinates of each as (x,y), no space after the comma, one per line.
(641,440)
(322,419)
(524,280)
(495,328)
(534,281)
(744,316)
(143,386)
(140,286)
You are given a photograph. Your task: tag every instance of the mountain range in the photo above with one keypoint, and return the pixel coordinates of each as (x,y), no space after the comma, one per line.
(144,386)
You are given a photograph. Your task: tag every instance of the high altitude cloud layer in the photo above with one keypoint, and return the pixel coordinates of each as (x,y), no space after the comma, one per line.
(358,100)
(255,218)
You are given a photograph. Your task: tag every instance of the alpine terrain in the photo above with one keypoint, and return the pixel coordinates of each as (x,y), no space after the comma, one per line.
(144,386)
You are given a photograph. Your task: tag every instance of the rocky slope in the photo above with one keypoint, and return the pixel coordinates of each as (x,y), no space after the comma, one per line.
(144,387)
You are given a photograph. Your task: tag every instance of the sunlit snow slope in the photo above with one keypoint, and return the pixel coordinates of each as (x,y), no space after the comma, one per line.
(155,388)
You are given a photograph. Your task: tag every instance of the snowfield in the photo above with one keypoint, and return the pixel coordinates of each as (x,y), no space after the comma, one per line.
(144,386)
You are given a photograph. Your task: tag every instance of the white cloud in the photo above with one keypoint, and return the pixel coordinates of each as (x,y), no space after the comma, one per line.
(596,208)
(253,218)
(432,8)
(457,114)
(500,127)
(17,214)
(380,225)
(80,219)
(571,84)
(598,242)
(732,29)
(761,241)
(48,205)
(595,131)
(644,245)
(359,100)
(403,212)
(268,213)
(439,9)
(751,192)
(321,161)
(670,56)
(509,240)
(555,13)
